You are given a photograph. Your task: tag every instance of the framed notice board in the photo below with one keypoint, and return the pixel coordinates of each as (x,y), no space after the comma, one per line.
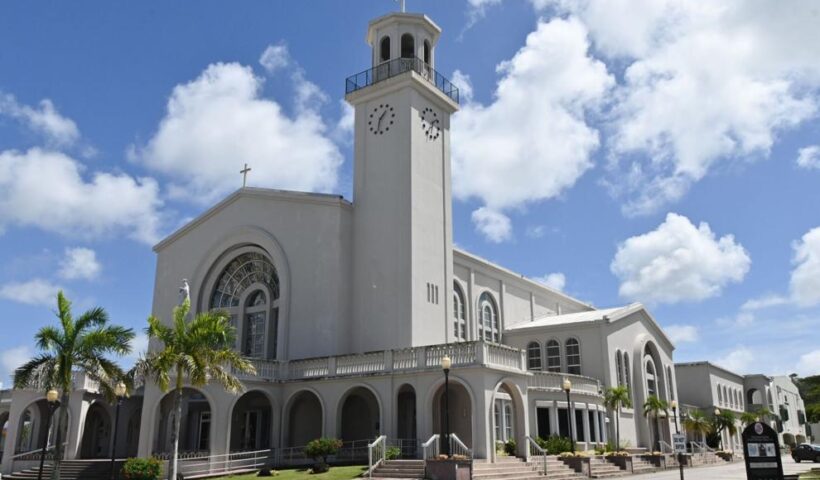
(762,451)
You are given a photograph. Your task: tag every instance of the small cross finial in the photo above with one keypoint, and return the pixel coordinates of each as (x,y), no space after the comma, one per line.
(244,173)
(401,3)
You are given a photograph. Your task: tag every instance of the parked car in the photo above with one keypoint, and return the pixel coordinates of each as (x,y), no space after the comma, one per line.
(806,452)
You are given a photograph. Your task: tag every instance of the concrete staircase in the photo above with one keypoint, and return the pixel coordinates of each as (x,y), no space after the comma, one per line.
(640,465)
(400,469)
(512,468)
(69,470)
(600,468)
(707,458)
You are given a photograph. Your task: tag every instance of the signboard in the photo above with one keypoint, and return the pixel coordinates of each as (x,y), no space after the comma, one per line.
(762,451)
(679,442)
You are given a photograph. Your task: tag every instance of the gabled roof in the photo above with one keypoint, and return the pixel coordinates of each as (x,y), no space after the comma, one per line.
(244,192)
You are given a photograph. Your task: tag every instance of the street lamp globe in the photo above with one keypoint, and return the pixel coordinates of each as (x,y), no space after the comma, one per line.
(717,412)
(567,385)
(52,396)
(446,363)
(674,404)
(120,390)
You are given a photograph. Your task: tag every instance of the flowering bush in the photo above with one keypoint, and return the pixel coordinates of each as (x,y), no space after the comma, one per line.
(141,469)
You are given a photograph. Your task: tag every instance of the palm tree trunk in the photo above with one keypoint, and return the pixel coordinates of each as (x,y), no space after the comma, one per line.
(618,429)
(62,415)
(175,433)
(657,433)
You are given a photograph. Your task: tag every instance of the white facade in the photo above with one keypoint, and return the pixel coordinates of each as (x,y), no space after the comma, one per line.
(346,308)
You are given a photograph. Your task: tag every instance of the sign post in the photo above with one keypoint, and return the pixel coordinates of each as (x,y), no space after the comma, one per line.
(762,451)
(679,442)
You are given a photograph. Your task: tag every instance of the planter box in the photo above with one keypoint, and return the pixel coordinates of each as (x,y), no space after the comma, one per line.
(448,469)
(624,463)
(579,464)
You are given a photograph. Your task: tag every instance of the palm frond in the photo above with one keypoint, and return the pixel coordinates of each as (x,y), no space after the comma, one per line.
(36,373)
(49,338)
(96,317)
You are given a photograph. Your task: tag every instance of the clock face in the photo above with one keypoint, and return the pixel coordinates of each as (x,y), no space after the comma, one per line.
(430,124)
(381,119)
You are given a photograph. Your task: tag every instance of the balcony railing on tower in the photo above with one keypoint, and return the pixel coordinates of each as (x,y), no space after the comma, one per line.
(397,67)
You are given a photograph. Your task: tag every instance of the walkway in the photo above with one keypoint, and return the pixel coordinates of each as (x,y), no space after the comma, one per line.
(732,471)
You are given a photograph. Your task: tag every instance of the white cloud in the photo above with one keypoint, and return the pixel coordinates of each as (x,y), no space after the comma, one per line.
(46,190)
(809,157)
(219,121)
(139,346)
(740,360)
(766,301)
(556,281)
(678,262)
(805,278)
(80,263)
(464,84)
(275,58)
(682,333)
(705,83)
(13,358)
(45,120)
(741,320)
(809,364)
(532,142)
(33,292)
(495,226)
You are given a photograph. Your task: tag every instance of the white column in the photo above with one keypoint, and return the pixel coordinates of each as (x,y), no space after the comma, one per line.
(554,419)
(585,424)
(597,423)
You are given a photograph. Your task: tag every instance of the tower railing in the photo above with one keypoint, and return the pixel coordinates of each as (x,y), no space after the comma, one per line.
(398,66)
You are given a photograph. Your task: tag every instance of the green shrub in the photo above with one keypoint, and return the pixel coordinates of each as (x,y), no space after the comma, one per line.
(141,469)
(392,453)
(321,448)
(509,447)
(555,444)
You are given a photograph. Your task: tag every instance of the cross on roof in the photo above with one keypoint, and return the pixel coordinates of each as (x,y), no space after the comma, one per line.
(401,2)
(244,173)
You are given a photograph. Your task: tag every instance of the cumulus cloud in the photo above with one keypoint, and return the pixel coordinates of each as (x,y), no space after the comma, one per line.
(682,333)
(556,281)
(219,121)
(766,301)
(79,263)
(496,227)
(705,83)
(678,262)
(47,190)
(739,360)
(805,278)
(809,157)
(809,364)
(274,58)
(33,292)
(13,358)
(44,120)
(532,142)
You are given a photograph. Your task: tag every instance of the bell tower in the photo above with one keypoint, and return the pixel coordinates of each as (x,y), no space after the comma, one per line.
(402,217)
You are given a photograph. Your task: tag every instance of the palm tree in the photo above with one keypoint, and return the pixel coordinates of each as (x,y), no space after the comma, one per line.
(696,423)
(763,413)
(617,398)
(748,418)
(725,421)
(654,406)
(200,350)
(81,345)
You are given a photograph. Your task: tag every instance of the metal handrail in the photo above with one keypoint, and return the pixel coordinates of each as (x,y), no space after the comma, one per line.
(665,446)
(225,463)
(426,446)
(456,445)
(378,447)
(396,67)
(540,451)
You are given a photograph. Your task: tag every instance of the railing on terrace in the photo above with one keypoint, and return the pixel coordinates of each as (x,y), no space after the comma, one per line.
(397,67)
(554,382)
(223,464)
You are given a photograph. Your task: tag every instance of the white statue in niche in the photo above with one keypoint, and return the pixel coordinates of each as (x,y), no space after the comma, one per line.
(184,292)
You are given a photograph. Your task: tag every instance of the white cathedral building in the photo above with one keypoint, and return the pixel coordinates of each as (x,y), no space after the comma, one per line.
(347,309)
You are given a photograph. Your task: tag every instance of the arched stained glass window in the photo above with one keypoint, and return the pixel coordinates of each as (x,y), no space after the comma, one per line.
(459,315)
(244,271)
(488,323)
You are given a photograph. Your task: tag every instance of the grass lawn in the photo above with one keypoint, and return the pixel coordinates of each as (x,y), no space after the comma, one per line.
(335,473)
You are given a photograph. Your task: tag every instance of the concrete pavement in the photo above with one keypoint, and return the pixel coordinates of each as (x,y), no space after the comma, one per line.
(731,471)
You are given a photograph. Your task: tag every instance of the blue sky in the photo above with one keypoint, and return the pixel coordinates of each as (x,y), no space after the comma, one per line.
(663,152)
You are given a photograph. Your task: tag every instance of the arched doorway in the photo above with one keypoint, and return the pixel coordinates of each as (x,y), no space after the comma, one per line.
(461,412)
(251,423)
(32,430)
(305,419)
(4,427)
(359,415)
(96,441)
(195,423)
(132,434)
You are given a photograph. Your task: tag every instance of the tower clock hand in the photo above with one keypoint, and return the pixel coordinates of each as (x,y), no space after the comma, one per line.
(381,117)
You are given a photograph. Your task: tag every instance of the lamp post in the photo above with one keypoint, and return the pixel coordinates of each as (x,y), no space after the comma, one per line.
(567,387)
(677,432)
(446,363)
(119,391)
(51,397)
